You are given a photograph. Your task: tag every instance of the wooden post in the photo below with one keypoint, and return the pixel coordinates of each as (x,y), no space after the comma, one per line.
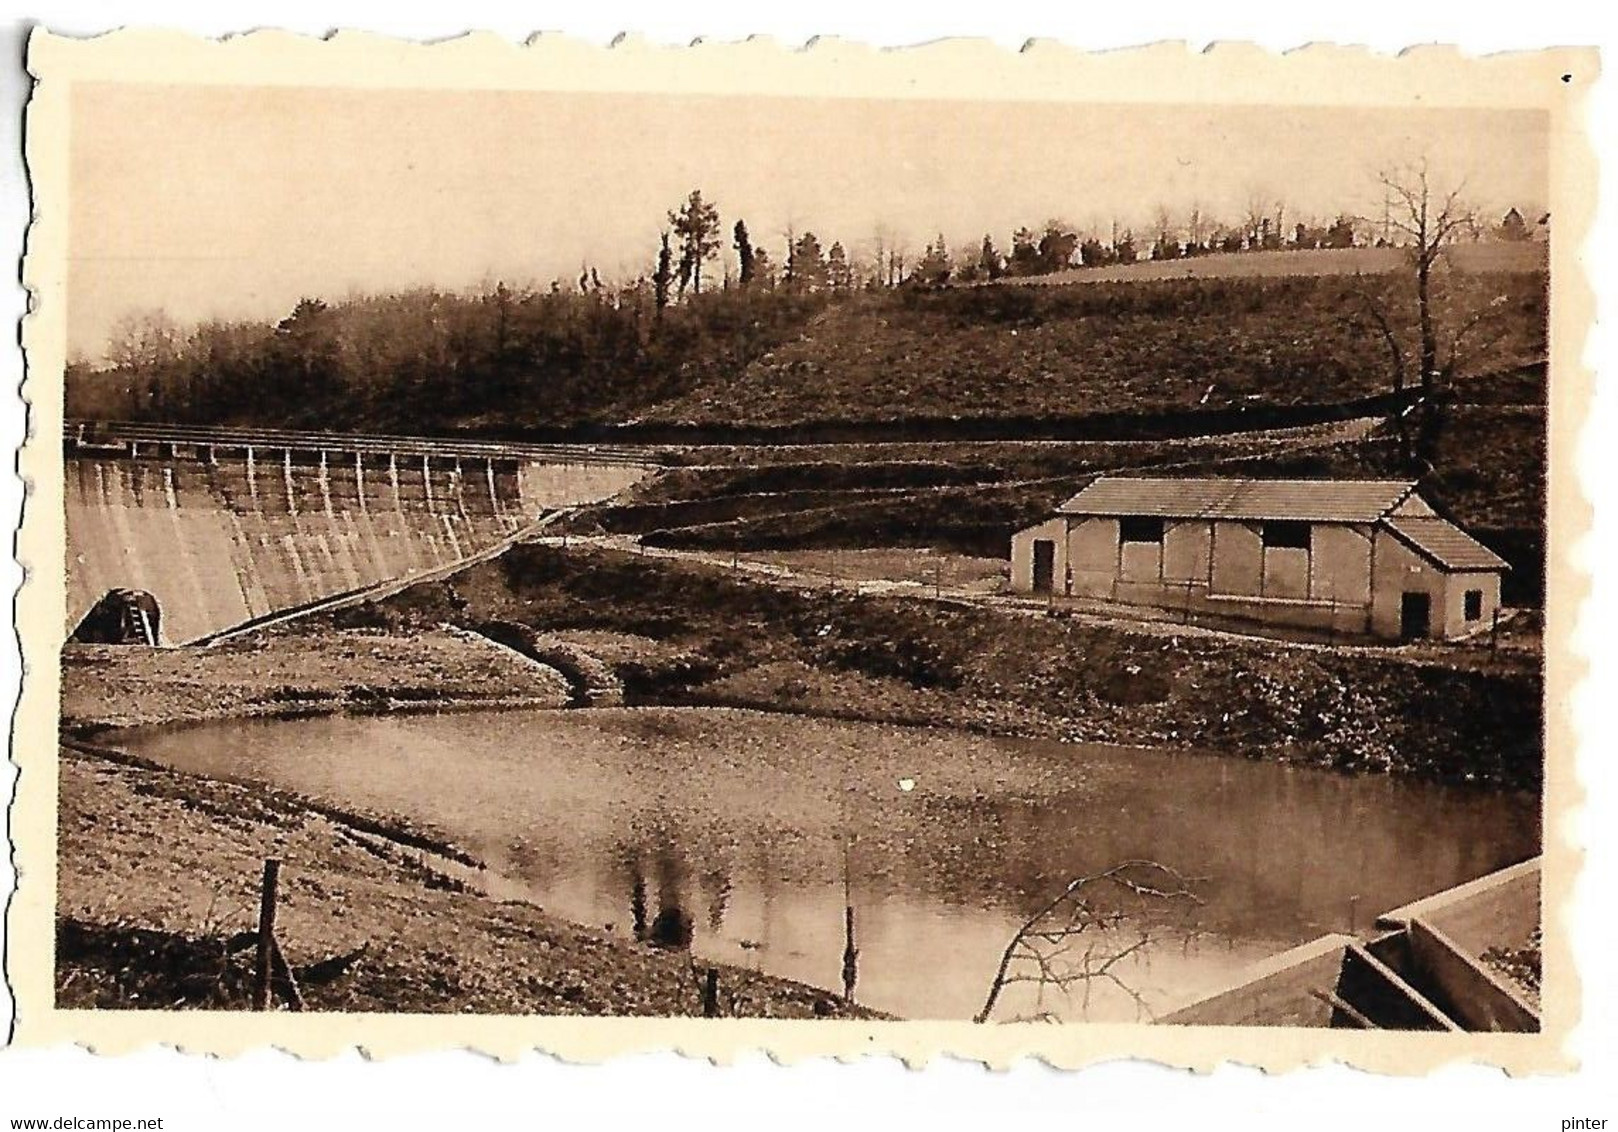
(283,973)
(851,955)
(710,994)
(1494,630)
(266,935)
(637,906)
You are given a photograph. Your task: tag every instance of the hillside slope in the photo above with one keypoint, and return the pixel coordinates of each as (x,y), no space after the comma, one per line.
(1138,348)
(1121,359)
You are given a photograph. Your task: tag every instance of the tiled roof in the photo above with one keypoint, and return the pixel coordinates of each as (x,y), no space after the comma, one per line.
(1326,501)
(1446,544)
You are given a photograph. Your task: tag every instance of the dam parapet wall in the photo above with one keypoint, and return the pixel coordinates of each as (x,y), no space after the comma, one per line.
(225,527)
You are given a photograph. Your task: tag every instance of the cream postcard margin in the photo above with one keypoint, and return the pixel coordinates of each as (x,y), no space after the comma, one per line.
(1554,81)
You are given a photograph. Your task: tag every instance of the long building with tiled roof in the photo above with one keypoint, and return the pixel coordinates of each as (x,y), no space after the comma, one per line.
(1365,557)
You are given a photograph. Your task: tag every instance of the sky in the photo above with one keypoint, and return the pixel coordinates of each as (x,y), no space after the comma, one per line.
(234,202)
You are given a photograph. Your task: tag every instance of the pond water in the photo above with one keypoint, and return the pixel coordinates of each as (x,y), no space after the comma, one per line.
(759,829)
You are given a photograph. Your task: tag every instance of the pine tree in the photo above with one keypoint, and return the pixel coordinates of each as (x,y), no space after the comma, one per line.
(744,252)
(696,223)
(933,270)
(663,276)
(838,272)
(989,261)
(807,266)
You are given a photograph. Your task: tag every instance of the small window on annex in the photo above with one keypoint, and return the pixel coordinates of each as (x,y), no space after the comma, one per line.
(1474,605)
(1286,533)
(1140,528)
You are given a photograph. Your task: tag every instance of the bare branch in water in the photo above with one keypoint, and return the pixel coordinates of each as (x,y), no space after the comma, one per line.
(1042,952)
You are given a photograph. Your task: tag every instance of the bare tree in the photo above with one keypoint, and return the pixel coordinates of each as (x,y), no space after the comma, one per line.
(1197,229)
(1429,218)
(1071,940)
(1167,245)
(881,242)
(1255,217)
(898,260)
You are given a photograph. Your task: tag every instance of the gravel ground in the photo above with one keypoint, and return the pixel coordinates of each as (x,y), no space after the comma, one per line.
(1520,964)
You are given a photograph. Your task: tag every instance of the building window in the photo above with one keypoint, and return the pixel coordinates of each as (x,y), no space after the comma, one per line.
(1474,605)
(1286,533)
(1139,528)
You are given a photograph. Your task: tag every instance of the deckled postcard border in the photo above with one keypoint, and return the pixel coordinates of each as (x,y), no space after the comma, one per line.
(1555,81)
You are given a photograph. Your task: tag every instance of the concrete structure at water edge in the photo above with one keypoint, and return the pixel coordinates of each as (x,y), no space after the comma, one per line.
(1426,966)
(179,534)
(1345,556)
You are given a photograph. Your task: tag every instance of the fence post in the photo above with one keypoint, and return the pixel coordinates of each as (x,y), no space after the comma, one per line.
(266,935)
(710,994)
(1494,629)
(851,955)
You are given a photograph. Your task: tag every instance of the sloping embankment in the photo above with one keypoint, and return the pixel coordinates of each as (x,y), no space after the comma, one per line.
(158,878)
(725,639)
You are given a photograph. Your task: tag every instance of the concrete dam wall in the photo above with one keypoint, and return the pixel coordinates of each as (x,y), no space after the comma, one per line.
(224,528)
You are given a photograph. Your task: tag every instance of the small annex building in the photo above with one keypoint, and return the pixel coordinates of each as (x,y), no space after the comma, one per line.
(1348,556)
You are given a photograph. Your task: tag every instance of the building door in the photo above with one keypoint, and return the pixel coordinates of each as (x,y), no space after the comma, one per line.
(1415,616)
(1044,565)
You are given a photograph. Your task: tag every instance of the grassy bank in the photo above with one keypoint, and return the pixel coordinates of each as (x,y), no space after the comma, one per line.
(158,878)
(711,638)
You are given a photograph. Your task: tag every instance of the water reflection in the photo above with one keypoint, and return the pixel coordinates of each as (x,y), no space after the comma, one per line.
(767,840)
(669,924)
(637,904)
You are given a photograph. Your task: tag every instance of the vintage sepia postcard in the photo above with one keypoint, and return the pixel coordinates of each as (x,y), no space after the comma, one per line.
(824,551)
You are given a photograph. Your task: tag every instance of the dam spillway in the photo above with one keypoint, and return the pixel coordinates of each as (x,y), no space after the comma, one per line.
(230,527)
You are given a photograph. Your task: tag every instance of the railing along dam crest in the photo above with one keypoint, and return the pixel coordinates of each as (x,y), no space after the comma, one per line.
(224,527)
